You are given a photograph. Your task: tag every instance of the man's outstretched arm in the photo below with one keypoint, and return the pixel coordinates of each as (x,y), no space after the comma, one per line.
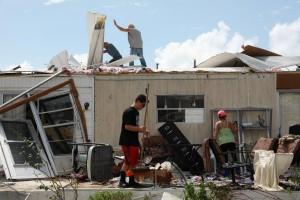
(121,28)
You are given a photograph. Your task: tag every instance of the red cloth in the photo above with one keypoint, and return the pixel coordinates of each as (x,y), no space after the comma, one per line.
(131,154)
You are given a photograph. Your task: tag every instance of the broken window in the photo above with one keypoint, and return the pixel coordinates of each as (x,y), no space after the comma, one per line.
(16,152)
(16,133)
(180,108)
(57,117)
(16,113)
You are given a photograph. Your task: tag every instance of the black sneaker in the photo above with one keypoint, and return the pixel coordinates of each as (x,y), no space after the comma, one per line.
(132,183)
(123,184)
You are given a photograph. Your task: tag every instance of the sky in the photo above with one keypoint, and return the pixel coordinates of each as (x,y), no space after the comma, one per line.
(175,32)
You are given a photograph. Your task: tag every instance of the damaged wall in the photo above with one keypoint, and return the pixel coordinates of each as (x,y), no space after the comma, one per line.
(14,85)
(114,93)
(288,86)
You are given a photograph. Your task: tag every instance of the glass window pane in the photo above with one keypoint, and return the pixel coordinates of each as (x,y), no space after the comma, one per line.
(21,152)
(200,102)
(17,131)
(172,107)
(180,101)
(161,101)
(173,102)
(59,117)
(55,103)
(171,115)
(188,101)
(16,149)
(162,115)
(192,101)
(176,115)
(59,137)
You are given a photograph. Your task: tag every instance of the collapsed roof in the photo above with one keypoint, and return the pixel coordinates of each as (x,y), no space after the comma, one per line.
(257,59)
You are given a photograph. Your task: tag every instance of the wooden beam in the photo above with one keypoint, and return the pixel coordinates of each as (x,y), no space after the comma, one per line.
(34,87)
(34,97)
(81,113)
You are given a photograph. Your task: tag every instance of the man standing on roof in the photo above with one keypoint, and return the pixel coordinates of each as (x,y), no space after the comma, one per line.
(135,42)
(129,140)
(112,51)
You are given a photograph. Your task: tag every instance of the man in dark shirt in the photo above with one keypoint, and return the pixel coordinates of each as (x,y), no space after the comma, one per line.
(129,140)
(112,51)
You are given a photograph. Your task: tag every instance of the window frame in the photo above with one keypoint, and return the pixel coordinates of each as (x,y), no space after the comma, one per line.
(201,109)
(74,122)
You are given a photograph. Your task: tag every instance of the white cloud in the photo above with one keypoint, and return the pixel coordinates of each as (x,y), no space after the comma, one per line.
(81,58)
(180,56)
(50,2)
(139,4)
(135,3)
(285,38)
(25,66)
(110,6)
(282,10)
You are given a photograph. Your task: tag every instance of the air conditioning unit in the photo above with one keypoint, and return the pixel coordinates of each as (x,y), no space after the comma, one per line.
(97,161)
(100,162)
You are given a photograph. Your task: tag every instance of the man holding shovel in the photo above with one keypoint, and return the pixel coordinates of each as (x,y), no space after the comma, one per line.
(129,140)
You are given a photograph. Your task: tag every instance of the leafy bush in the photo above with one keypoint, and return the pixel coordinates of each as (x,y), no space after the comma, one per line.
(213,193)
(110,195)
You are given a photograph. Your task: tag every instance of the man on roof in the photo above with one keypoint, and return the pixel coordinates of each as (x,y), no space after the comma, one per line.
(112,51)
(135,42)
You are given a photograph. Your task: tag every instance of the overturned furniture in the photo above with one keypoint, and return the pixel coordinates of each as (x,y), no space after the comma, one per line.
(268,166)
(212,153)
(184,154)
(290,144)
(266,144)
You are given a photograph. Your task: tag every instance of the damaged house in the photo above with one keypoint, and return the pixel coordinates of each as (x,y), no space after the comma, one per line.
(86,105)
(264,103)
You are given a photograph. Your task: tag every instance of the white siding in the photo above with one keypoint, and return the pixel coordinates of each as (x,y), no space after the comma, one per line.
(114,93)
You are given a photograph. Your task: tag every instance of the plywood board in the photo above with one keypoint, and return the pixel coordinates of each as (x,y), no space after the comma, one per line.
(96,28)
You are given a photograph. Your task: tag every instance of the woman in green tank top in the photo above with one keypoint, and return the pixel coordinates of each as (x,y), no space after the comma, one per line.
(225,134)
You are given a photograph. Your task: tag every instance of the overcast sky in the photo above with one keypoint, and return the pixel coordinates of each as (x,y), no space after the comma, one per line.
(174,31)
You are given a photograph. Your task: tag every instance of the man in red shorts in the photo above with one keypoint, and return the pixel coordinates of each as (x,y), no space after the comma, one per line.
(129,140)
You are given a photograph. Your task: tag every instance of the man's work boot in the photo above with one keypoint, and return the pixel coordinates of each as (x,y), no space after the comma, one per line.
(134,184)
(122,182)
